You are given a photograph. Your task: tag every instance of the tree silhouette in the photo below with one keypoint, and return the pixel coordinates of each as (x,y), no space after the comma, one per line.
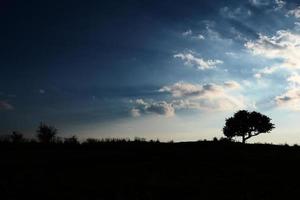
(16,137)
(71,140)
(247,124)
(46,134)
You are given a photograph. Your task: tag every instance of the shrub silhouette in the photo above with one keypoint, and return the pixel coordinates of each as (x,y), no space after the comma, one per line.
(247,124)
(16,137)
(92,141)
(46,134)
(71,140)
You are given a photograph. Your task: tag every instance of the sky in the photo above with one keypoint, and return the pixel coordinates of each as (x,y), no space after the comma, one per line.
(168,70)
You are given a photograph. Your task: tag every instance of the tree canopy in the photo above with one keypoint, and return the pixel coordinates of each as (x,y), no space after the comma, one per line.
(46,133)
(247,124)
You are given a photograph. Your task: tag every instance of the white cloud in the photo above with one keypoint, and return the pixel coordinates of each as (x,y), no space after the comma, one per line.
(182,89)
(232,54)
(199,37)
(259,3)
(200,63)
(217,103)
(294,79)
(5,106)
(135,112)
(295,12)
(232,85)
(160,108)
(285,45)
(279,4)
(236,13)
(187,33)
(290,99)
(267,70)
(190,34)
(205,97)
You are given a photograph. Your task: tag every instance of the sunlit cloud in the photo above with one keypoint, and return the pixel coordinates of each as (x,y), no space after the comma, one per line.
(183,89)
(232,85)
(206,97)
(285,46)
(294,79)
(135,112)
(290,99)
(152,107)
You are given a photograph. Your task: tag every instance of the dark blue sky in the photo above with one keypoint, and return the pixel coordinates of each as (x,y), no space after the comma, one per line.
(120,68)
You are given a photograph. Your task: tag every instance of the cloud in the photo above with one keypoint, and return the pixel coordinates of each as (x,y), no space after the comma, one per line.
(135,112)
(160,108)
(5,106)
(200,63)
(199,37)
(295,12)
(294,79)
(290,99)
(267,70)
(284,45)
(182,89)
(259,3)
(192,35)
(236,13)
(219,103)
(232,85)
(205,97)
(279,4)
(187,33)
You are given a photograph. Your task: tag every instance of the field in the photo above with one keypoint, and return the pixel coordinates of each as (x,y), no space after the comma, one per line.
(149,170)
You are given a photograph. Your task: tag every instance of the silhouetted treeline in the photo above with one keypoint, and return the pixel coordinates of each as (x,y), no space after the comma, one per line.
(46,134)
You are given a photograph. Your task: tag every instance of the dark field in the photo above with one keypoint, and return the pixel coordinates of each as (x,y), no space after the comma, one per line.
(144,170)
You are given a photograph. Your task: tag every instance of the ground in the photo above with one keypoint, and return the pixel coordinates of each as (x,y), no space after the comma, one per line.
(144,170)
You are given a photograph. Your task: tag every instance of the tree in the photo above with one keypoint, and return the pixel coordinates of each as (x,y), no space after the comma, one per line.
(247,124)
(16,137)
(71,140)
(46,134)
